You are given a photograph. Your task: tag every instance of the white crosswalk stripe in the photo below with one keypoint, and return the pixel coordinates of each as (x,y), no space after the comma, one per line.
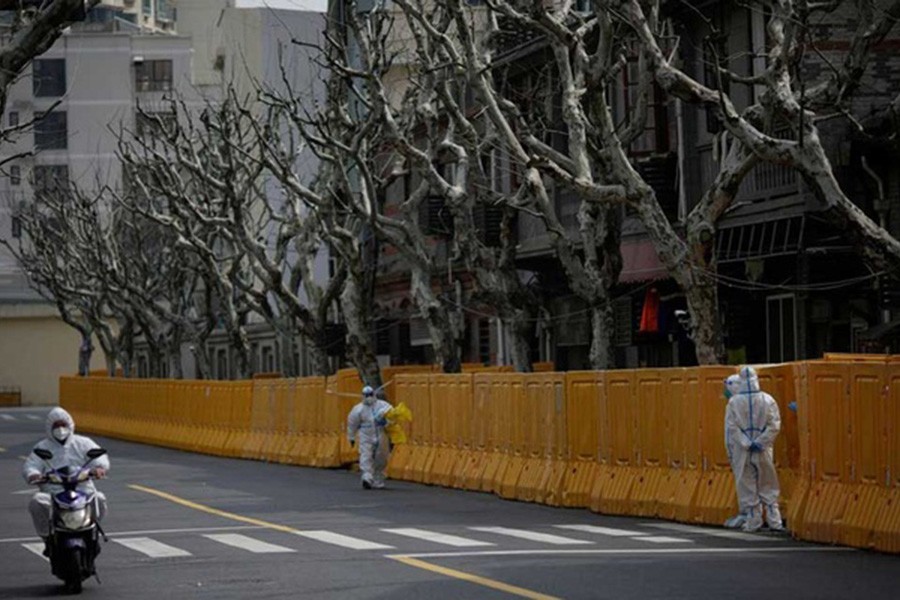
(151,547)
(33,417)
(721,533)
(7,417)
(534,536)
(248,543)
(346,541)
(604,530)
(438,538)
(37,548)
(663,539)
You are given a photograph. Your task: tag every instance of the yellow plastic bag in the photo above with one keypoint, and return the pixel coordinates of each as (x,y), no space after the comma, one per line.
(397,415)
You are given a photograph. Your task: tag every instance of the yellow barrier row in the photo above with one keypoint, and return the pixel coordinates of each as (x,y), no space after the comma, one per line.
(645,442)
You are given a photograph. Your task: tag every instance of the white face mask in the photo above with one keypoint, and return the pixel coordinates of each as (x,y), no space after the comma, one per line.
(369,400)
(61,434)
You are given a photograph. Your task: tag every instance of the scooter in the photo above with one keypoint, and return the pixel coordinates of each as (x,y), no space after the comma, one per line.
(74,540)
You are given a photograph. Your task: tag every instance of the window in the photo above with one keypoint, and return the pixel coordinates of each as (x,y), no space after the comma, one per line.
(16,226)
(50,131)
(13,118)
(155,123)
(48,77)
(222,363)
(15,175)
(153,76)
(268,359)
(781,328)
(48,179)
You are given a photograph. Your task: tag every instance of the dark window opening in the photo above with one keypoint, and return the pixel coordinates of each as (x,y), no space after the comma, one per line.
(51,131)
(48,77)
(153,76)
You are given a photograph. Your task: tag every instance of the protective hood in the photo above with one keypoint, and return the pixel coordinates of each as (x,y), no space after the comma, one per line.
(732,386)
(58,414)
(749,382)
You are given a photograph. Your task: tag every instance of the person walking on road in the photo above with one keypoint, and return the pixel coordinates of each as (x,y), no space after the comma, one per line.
(752,423)
(366,424)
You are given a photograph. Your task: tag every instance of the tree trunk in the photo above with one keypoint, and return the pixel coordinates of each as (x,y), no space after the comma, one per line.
(319,359)
(201,360)
(357,316)
(84,354)
(440,325)
(288,348)
(703,303)
(519,337)
(602,327)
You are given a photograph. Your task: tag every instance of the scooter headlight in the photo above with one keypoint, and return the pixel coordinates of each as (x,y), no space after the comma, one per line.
(75,519)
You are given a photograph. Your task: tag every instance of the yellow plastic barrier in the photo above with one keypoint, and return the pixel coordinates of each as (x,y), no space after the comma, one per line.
(346,395)
(451,407)
(514,442)
(499,393)
(681,477)
(543,414)
(238,430)
(583,392)
(413,460)
(641,442)
(715,500)
(617,471)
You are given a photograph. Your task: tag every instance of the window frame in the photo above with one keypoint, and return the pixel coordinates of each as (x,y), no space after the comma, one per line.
(37,76)
(51,139)
(147,78)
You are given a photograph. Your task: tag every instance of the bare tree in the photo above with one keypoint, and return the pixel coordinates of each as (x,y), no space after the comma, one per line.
(786,99)
(62,253)
(32,31)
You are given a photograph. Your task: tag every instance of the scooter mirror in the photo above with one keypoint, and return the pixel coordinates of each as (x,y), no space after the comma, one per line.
(45,454)
(95,452)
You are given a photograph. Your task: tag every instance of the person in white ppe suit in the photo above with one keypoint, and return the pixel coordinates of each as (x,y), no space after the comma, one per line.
(67,449)
(752,423)
(365,424)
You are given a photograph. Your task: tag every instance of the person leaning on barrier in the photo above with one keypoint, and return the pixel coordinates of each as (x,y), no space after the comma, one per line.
(752,423)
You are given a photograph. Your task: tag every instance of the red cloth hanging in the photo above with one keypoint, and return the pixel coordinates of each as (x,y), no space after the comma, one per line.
(650,312)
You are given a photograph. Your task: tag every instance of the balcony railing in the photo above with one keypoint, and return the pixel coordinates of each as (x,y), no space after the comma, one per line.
(766,180)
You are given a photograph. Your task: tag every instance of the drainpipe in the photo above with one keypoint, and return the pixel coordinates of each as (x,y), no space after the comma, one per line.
(881,207)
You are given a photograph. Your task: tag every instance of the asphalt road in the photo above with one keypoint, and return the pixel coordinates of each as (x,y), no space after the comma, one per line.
(190,526)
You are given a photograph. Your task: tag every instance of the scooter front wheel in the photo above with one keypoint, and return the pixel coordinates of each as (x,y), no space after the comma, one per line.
(73,572)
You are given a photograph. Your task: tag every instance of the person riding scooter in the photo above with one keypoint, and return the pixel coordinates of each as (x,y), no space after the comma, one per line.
(67,449)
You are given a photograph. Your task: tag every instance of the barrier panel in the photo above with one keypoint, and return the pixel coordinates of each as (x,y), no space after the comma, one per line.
(503,391)
(451,412)
(412,461)
(543,414)
(583,392)
(612,489)
(345,395)
(715,500)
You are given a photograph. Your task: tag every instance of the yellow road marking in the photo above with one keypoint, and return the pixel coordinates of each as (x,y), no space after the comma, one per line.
(214,511)
(491,583)
(412,562)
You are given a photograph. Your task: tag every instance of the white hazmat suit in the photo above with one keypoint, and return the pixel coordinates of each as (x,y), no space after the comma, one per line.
(68,449)
(365,425)
(752,423)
